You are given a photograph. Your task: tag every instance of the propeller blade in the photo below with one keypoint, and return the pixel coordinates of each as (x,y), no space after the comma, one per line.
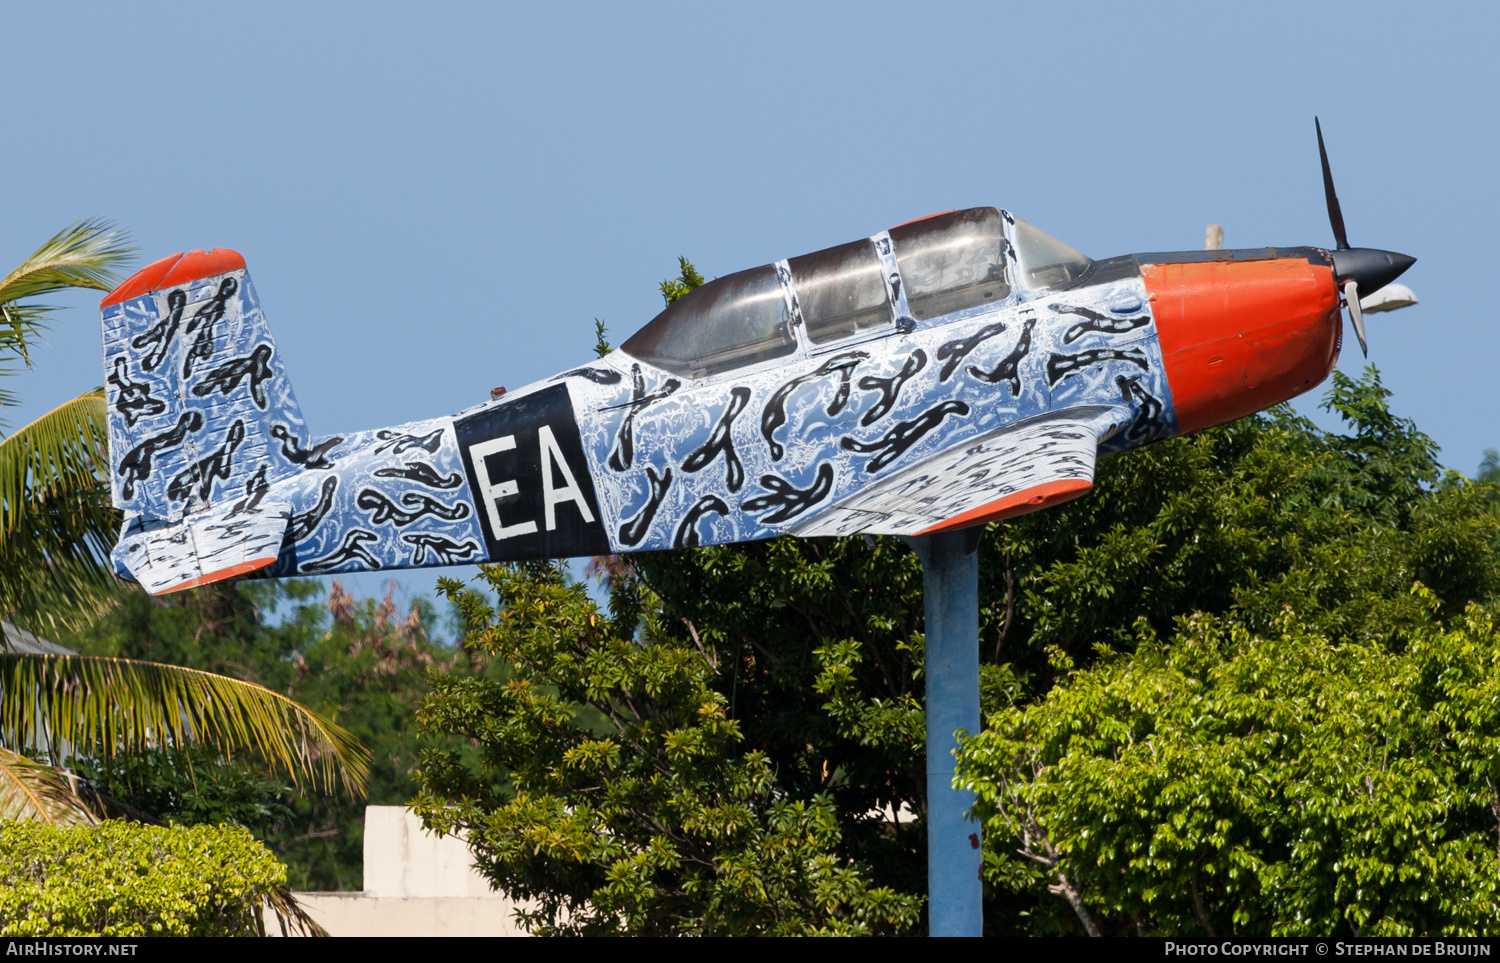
(1351,295)
(1335,214)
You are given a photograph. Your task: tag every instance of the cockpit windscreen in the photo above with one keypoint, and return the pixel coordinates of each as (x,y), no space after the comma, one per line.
(729,322)
(1043,260)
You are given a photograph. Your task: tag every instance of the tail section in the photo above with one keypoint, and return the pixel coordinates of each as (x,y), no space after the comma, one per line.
(198,403)
(218,477)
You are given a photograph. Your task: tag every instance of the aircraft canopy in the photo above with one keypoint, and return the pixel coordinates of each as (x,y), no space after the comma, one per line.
(947,263)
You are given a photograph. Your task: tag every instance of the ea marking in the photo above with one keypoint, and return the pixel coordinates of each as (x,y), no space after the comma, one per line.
(526,468)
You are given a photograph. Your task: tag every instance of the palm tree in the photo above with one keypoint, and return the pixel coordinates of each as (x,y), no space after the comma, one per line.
(56,528)
(62,706)
(56,522)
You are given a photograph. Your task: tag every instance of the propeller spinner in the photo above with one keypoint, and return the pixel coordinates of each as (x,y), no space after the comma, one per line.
(1356,267)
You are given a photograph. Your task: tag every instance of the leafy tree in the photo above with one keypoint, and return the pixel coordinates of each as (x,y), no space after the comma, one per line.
(192,787)
(130,880)
(627,804)
(1247,523)
(1279,784)
(1489,474)
(1489,467)
(688,280)
(364,664)
(1264,513)
(70,707)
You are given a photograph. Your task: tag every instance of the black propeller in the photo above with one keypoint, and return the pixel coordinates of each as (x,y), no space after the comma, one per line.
(1356,267)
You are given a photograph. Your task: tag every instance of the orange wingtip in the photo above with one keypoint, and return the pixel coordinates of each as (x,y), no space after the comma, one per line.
(175,269)
(1032,499)
(221,574)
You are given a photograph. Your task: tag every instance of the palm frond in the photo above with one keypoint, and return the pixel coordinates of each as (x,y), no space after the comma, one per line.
(56,522)
(68,705)
(290,914)
(84,254)
(30,790)
(64,451)
(57,594)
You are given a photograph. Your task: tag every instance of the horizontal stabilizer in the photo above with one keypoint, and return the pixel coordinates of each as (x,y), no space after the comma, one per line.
(1018,469)
(203,548)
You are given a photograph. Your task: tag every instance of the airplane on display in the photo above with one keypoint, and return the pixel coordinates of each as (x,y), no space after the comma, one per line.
(953,370)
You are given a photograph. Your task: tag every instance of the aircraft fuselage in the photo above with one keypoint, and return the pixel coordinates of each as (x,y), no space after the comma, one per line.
(861,409)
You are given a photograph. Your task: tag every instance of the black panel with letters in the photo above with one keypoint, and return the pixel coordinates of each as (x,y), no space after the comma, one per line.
(532,488)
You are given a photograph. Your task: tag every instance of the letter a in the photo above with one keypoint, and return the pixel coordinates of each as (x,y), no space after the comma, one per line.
(552,497)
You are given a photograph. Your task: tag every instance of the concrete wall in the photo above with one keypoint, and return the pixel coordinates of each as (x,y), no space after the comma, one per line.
(403,861)
(355,914)
(416,884)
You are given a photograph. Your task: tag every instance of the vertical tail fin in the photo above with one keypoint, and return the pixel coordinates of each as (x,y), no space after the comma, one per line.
(198,402)
(195,388)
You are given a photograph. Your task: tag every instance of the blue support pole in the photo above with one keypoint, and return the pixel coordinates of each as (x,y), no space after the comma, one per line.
(950,584)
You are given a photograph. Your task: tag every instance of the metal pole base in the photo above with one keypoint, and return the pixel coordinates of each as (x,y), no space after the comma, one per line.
(950,584)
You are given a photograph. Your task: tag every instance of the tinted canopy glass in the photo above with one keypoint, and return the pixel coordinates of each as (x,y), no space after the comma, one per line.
(840,291)
(1043,260)
(952,261)
(728,323)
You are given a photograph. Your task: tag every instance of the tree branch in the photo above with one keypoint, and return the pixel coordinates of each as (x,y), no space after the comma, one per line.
(1198,905)
(712,662)
(1010,603)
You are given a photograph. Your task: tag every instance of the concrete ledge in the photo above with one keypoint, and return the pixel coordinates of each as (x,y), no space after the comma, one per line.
(357,914)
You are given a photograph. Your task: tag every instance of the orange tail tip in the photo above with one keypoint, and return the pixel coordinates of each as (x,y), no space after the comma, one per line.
(1031,499)
(173,270)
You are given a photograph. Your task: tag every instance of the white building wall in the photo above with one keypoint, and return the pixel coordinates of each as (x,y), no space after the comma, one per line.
(416,884)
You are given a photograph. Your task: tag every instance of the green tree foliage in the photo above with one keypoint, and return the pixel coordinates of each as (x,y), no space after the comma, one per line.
(629,803)
(1264,513)
(687,280)
(122,879)
(360,663)
(1489,467)
(1232,783)
(78,705)
(1489,474)
(192,787)
(818,650)
(1248,524)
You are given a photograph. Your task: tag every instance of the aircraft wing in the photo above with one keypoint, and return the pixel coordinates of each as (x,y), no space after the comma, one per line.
(1017,469)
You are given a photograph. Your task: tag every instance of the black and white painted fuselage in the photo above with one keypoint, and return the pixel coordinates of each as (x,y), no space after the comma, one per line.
(951,371)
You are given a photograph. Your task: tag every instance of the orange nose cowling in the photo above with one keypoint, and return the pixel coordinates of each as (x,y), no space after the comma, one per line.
(1240,336)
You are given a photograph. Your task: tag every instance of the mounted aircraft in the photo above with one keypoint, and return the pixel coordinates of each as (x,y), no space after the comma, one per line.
(953,370)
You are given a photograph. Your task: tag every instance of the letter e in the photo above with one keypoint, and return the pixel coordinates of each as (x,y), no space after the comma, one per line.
(493,492)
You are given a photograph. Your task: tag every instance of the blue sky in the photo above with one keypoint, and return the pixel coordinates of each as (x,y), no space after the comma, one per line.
(435,199)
